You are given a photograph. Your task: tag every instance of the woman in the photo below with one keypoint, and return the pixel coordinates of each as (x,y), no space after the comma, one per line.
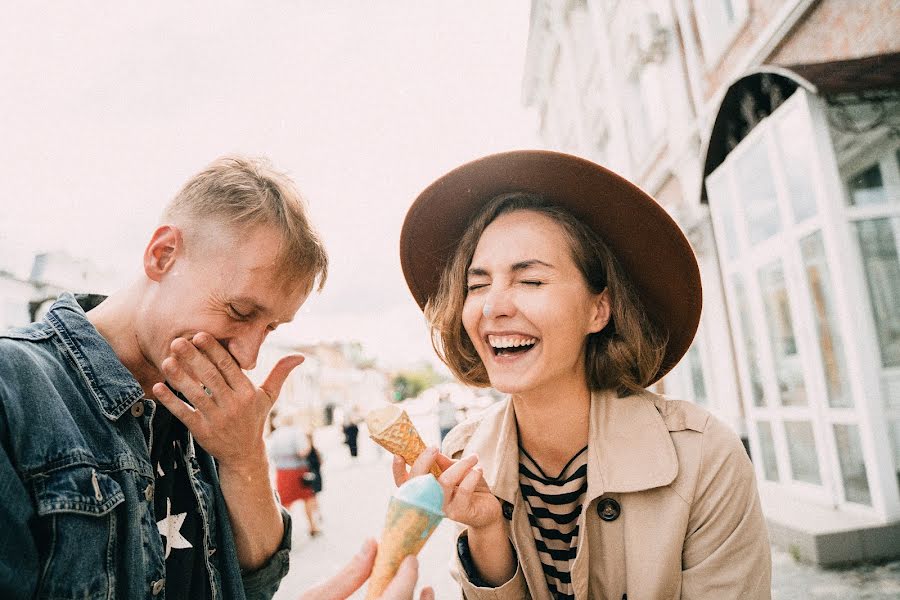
(559,283)
(290,450)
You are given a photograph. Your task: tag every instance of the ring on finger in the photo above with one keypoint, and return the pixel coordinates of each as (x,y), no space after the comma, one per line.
(207,391)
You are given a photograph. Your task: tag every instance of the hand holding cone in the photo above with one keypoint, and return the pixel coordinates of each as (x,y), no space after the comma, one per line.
(391,429)
(413,514)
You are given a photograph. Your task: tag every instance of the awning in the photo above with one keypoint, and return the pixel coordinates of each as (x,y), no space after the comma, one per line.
(757,94)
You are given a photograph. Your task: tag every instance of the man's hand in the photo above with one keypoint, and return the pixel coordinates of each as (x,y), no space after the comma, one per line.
(357,571)
(228,412)
(227,419)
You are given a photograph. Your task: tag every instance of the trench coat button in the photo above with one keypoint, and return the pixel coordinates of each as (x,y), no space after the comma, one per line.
(608,509)
(148,492)
(137,409)
(507,510)
(158,586)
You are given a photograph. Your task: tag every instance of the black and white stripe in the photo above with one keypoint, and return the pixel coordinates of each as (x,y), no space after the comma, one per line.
(554,505)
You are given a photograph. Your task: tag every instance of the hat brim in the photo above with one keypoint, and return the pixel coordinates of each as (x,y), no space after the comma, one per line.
(649,245)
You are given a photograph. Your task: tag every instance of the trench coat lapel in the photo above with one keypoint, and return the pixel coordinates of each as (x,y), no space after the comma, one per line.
(629,446)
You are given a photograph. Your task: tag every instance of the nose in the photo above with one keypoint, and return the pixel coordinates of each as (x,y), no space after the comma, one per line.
(499,302)
(245,347)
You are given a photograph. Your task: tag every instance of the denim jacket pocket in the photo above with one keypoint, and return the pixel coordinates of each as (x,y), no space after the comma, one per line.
(76,519)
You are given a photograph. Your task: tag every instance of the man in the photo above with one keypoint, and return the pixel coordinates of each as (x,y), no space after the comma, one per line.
(132,461)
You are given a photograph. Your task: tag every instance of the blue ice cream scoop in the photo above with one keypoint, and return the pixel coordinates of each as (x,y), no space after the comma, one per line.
(424,492)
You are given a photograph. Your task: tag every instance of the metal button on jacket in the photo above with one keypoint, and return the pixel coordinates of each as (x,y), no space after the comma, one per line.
(507,510)
(608,509)
(137,409)
(158,586)
(148,493)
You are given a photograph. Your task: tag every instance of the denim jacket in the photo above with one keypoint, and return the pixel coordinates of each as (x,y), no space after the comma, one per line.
(76,486)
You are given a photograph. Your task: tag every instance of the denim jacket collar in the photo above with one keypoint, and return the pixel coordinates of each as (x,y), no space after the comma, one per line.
(110,383)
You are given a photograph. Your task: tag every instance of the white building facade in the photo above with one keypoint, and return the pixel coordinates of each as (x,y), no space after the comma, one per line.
(778,154)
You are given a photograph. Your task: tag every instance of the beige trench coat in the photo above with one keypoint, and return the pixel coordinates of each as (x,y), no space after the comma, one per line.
(689,523)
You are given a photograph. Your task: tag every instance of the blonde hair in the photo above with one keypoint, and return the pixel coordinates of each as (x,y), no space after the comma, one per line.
(624,356)
(241,191)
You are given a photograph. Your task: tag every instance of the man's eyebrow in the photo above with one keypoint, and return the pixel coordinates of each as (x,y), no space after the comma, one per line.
(476,272)
(256,307)
(246,301)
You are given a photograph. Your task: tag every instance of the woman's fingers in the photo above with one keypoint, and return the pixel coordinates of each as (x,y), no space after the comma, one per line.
(454,474)
(424,462)
(444,462)
(398,466)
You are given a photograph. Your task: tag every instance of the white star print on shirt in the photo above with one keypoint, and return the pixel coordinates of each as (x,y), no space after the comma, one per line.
(170,528)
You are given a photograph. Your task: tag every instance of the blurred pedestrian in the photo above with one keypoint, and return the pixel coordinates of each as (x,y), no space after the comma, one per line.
(351,432)
(290,448)
(447,419)
(313,478)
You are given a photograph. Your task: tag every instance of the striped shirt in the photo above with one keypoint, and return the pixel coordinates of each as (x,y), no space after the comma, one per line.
(554,505)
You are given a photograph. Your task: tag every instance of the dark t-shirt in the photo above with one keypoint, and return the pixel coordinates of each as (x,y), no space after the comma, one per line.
(177,514)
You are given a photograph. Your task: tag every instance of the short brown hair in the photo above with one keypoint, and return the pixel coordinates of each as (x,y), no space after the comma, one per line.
(238,190)
(624,356)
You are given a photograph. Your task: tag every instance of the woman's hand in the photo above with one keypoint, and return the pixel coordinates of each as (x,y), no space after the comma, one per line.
(467,497)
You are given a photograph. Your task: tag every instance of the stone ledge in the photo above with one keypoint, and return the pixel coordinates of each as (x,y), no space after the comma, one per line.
(828,537)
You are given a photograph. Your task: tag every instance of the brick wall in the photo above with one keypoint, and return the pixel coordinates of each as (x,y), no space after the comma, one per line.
(842,29)
(760,13)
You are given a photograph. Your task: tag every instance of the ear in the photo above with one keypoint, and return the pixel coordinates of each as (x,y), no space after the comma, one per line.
(165,245)
(602,311)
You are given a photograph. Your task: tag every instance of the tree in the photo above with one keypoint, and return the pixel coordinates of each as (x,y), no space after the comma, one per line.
(411,383)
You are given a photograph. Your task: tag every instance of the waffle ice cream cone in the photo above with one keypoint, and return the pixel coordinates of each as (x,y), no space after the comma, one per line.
(391,429)
(413,514)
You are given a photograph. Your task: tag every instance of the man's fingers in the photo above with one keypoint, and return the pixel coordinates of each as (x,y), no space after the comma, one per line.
(347,580)
(398,466)
(199,366)
(423,463)
(179,379)
(272,385)
(403,584)
(176,406)
(221,363)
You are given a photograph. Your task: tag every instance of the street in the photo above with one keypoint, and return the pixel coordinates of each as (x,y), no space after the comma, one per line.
(356,493)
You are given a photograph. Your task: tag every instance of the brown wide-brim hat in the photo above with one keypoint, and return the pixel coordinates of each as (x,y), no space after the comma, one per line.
(649,245)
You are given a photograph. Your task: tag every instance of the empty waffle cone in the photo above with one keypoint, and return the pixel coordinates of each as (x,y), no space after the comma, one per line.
(391,429)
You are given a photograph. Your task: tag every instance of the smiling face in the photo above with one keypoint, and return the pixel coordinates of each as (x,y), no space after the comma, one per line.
(528,310)
(228,286)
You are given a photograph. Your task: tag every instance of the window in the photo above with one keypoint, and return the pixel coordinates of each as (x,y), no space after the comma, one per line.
(698,383)
(812,248)
(878,243)
(802,451)
(718,21)
(788,369)
(853,466)
(757,188)
(795,144)
(767,447)
(867,187)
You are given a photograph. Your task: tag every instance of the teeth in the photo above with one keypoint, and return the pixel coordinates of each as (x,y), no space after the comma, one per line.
(508,341)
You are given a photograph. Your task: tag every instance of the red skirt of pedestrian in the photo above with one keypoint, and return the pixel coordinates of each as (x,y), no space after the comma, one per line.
(291,487)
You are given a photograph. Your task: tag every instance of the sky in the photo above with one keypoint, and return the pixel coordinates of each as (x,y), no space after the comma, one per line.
(107,108)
